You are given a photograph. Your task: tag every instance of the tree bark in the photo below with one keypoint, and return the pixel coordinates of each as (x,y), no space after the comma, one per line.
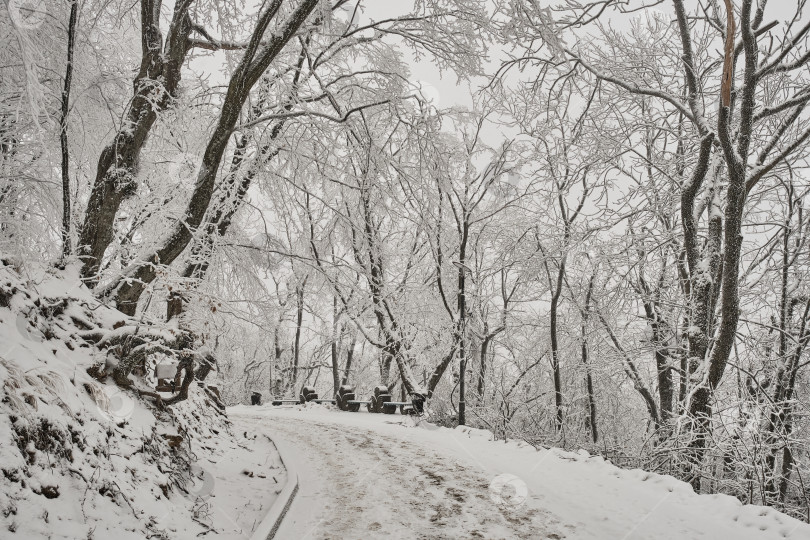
(63,129)
(736,164)
(349,357)
(555,348)
(482,365)
(334,347)
(593,428)
(462,317)
(299,317)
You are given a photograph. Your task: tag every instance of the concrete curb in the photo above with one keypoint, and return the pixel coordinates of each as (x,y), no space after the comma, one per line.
(271,522)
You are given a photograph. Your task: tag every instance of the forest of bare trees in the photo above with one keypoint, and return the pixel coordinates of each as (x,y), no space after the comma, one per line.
(597,240)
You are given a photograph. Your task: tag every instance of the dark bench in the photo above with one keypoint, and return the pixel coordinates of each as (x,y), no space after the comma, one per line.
(381,402)
(345,399)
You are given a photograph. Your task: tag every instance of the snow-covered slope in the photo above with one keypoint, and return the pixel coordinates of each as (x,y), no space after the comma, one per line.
(82,458)
(414,480)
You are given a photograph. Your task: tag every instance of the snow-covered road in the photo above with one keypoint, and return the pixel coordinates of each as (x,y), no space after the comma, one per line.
(378,476)
(357,483)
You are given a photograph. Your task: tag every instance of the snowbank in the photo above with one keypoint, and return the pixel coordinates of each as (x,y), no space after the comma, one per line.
(82,458)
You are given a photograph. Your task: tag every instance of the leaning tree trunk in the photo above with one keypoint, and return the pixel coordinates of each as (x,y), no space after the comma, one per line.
(155,87)
(234,191)
(258,56)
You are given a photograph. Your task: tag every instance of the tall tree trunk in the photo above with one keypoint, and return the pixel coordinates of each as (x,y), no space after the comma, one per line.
(299,317)
(277,387)
(555,285)
(489,336)
(736,157)
(462,319)
(555,348)
(788,413)
(334,346)
(666,389)
(482,364)
(63,129)
(593,428)
(349,357)
(781,377)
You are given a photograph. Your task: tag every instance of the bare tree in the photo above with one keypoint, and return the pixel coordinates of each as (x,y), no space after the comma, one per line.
(63,128)
(751,135)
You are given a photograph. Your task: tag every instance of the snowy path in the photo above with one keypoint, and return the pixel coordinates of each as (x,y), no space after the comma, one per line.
(369,486)
(369,476)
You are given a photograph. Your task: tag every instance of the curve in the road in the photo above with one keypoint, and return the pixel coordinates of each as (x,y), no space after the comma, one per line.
(360,484)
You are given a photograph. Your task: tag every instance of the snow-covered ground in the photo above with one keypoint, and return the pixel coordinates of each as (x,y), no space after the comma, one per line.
(82,458)
(378,476)
(238,481)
